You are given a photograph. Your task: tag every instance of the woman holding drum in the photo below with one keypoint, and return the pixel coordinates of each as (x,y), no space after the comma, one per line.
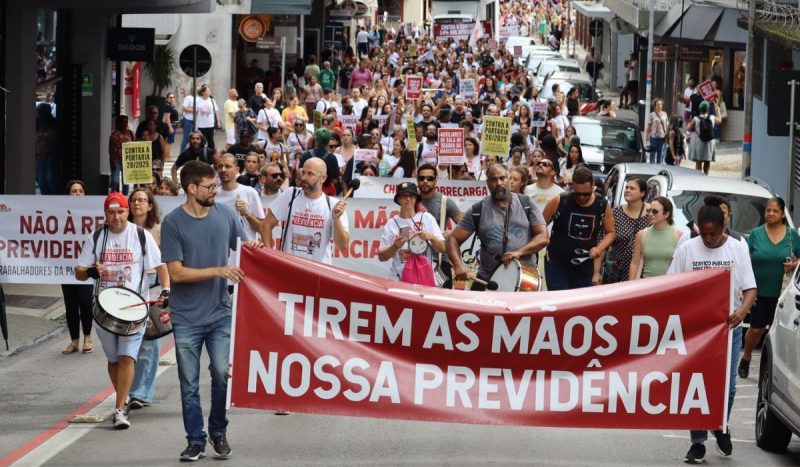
(116,257)
(144,212)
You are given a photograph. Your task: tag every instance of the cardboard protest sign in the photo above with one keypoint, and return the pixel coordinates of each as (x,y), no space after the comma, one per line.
(539,114)
(466,88)
(451,146)
(412,133)
(706,89)
(496,136)
(412,50)
(413,87)
(349,121)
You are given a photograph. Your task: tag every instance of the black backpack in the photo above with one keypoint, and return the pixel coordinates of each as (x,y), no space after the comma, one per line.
(705,129)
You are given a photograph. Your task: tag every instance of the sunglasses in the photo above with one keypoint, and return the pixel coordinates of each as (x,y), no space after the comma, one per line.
(652,211)
(582,195)
(426,178)
(333,146)
(545,164)
(276,175)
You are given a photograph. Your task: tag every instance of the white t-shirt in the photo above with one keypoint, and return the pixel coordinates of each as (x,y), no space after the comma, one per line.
(687,94)
(323,106)
(362,37)
(271,149)
(253,201)
(268,118)
(310,231)
(358,106)
(122,259)
(420,221)
(188,101)
(693,255)
(541,196)
(205,112)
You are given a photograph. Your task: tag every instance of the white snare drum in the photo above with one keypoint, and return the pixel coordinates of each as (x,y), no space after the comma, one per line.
(517,277)
(417,245)
(113,312)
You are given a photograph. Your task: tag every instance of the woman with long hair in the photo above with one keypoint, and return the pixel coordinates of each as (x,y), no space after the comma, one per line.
(774,249)
(472,155)
(346,150)
(656,131)
(406,167)
(568,164)
(145,213)
(629,219)
(654,247)
(207,114)
(518,177)
(278,100)
(78,298)
(675,142)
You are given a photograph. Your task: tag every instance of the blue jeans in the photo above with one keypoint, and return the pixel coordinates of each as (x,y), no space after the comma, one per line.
(144,380)
(187,130)
(656,155)
(46,177)
(700,436)
(559,278)
(189,342)
(116,173)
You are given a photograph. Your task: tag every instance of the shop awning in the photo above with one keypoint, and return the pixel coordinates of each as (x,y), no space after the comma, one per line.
(281,7)
(594,10)
(702,25)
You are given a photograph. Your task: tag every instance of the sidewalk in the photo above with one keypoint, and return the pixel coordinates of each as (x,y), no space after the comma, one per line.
(35,313)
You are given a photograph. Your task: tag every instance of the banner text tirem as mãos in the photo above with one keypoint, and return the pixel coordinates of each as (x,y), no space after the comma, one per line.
(643,354)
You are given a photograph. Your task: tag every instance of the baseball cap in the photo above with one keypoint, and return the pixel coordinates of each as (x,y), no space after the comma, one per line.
(115,200)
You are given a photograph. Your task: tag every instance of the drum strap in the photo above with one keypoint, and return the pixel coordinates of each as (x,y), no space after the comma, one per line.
(104,230)
(442,212)
(295,194)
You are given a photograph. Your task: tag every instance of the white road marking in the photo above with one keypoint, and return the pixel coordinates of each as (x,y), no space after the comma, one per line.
(73,432)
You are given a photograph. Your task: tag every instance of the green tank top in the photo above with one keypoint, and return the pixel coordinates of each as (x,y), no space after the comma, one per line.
(659,247)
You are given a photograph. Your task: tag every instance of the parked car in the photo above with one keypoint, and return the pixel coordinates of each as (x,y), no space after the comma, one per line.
(587,94)
(618,176)
(551,65)
(534,58)
(748,197)
(778,403)
(607,141)
(521,41)
(527,50)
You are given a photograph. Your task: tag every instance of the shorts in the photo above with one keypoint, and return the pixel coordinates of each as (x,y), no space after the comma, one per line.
(230,135)
(763,312)
(115,346)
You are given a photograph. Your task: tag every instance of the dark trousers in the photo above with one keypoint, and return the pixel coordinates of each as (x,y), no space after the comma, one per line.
(560,278)
(78,303)
(208,133)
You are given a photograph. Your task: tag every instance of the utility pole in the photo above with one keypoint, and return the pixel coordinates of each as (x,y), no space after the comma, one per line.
(747,137)
(649,76)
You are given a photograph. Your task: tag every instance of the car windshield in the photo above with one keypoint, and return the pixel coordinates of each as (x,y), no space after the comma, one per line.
(611,135)
(747,212)
(545,68)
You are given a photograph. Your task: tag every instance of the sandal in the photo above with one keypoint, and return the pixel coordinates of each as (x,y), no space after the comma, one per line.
(87,345)
(71,348)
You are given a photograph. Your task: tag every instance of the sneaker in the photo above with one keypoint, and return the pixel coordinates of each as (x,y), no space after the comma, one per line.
(136,404)
(193,452)
(221,447)
(120,419)
(696,453)
(724,445)
(744,368)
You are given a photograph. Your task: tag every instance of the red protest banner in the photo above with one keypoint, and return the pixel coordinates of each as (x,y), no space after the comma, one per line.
(706,89)
(648,354)
(413,87)
(451,146)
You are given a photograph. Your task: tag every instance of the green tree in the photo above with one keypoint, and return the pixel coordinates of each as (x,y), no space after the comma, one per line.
(161,68)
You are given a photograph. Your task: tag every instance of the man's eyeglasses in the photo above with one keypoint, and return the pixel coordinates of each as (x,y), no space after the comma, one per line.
(426,178)
(210,186)
(652,211)
(276,175)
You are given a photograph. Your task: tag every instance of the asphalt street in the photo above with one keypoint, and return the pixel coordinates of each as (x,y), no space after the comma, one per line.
(40,388)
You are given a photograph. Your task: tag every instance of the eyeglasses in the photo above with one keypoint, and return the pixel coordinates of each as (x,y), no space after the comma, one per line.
(426,178)
(276,175)
(544,164)
(139,201)
(299,124)
(210,186)
(158,169)
(652,211)
(582,195)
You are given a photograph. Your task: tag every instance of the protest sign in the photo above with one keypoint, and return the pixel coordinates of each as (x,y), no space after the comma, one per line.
(381,119)
(517,50)
(456,31)
(412,51)
(492,45)
(412,133)
(496,136)
(539,114)
(507,31)
(413,87)
(349,121)
(317,120)
(451,146)
(466,88)
(646,354)
(706,89)
(137,162)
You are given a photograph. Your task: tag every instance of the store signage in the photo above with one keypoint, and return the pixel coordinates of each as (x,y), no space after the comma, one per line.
(131,44)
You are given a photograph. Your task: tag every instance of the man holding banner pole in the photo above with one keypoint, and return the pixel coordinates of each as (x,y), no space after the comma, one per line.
(509,226)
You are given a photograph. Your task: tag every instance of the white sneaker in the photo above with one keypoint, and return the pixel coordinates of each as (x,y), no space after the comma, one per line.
(120,420)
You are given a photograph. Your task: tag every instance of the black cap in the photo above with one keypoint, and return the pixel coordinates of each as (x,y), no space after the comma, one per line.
(407,188)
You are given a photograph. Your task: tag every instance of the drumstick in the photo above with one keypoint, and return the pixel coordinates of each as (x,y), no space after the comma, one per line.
(490,285)
(149,302)
(354,184)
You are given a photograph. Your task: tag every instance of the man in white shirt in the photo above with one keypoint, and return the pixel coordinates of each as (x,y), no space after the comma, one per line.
(311,218)
(117,257)
(243,199)
(713,248)
(545,187)
(230,107)
(326,102)
(358,102)
(362,40)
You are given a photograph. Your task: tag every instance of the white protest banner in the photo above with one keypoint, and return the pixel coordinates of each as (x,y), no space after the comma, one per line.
(384,187)
(381,119)
(466,88)
(451,146)
(508,31)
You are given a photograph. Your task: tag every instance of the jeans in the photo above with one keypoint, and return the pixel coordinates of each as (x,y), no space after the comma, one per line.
(700,436)
(188,125)
(116,173)
(560,278)
(189,342)
(46,177)
(144,380)
(656,155)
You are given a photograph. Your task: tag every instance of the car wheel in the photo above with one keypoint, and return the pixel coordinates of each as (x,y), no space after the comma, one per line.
(771,433)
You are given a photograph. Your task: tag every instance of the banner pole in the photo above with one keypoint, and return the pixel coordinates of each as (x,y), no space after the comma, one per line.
(233,324)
